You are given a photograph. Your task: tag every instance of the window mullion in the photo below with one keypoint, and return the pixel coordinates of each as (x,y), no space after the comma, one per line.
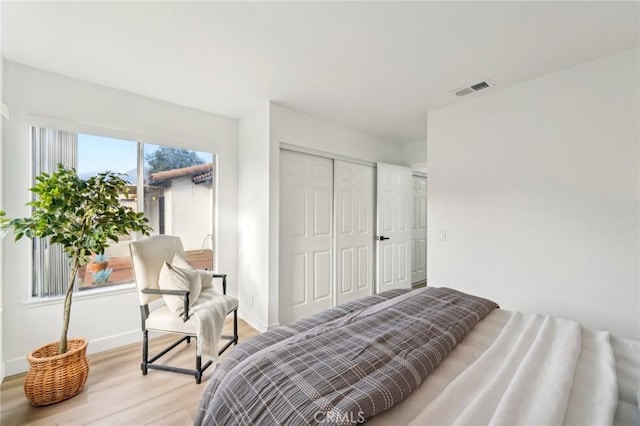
(140,182)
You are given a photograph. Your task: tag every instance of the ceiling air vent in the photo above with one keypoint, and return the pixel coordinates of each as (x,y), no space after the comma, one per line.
(462,91)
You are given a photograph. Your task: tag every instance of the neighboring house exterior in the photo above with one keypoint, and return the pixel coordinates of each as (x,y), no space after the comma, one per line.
(180,202)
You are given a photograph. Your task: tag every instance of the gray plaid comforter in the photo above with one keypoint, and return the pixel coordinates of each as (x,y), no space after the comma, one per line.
(342,365)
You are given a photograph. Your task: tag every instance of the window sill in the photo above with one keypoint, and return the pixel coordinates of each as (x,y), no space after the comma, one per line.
(82,295)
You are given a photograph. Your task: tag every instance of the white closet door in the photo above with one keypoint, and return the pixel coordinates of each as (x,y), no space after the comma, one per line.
(355,235)
(306,235)
(419,234)
(394,189)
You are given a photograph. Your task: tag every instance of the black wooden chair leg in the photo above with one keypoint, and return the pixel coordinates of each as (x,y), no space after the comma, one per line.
(235,327)
(145,352)
(198,372)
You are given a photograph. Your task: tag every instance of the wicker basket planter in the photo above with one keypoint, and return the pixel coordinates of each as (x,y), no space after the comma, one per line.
(53,378)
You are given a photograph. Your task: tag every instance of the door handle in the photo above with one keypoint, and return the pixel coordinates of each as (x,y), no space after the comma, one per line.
(382,238)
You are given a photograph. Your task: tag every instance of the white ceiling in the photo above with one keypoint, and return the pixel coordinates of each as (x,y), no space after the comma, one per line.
(374,66)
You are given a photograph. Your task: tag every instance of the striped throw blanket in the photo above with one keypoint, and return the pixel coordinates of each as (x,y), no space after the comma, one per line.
(342,365)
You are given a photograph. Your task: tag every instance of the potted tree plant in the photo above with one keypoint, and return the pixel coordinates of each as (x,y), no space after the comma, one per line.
(83,216)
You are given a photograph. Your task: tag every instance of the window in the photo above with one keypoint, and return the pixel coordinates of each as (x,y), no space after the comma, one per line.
(174,187)
(179,198)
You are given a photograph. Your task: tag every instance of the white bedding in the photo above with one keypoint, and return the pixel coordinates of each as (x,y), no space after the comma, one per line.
(524,369)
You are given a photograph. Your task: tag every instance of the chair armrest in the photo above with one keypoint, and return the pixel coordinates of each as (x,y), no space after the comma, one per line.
(224,280)
(161,291)
(184,293)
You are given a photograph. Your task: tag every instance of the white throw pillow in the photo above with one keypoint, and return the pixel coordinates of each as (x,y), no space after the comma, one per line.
(205,276)
(181,262)
(176,278)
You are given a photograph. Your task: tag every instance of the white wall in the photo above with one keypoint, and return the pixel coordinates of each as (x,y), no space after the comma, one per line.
(298,128)
(253,209)
(537,186)
(113,319)
(2,207)
(415,154)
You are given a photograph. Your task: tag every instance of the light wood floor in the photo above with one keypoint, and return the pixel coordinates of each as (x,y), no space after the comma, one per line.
(117,393)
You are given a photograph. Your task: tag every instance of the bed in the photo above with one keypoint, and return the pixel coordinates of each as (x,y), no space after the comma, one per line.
(427,356)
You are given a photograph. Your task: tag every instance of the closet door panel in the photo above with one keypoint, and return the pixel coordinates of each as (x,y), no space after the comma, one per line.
(306,235)
(394,214)
(355,234)
(419,231)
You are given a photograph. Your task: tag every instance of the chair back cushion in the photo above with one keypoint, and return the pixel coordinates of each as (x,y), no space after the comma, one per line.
(148,256)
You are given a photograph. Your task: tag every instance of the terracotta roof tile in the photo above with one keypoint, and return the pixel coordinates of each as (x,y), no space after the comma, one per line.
(194,171)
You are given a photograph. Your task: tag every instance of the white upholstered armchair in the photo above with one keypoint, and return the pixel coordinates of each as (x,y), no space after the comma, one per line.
(192,306)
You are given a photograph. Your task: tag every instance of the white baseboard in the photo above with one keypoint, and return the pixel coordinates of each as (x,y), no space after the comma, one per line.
(115,341)
(273,325)
(16,366)
(21,365)
(252,321)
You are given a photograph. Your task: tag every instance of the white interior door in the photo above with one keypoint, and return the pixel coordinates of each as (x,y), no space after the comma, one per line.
(419,231)
(306,235)
(355,234)
(394,194)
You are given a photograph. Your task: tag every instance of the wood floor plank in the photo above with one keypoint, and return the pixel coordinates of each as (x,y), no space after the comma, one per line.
(117,392)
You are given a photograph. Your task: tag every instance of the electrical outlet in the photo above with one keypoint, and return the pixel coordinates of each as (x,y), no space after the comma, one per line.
(443,235)
(252,301)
